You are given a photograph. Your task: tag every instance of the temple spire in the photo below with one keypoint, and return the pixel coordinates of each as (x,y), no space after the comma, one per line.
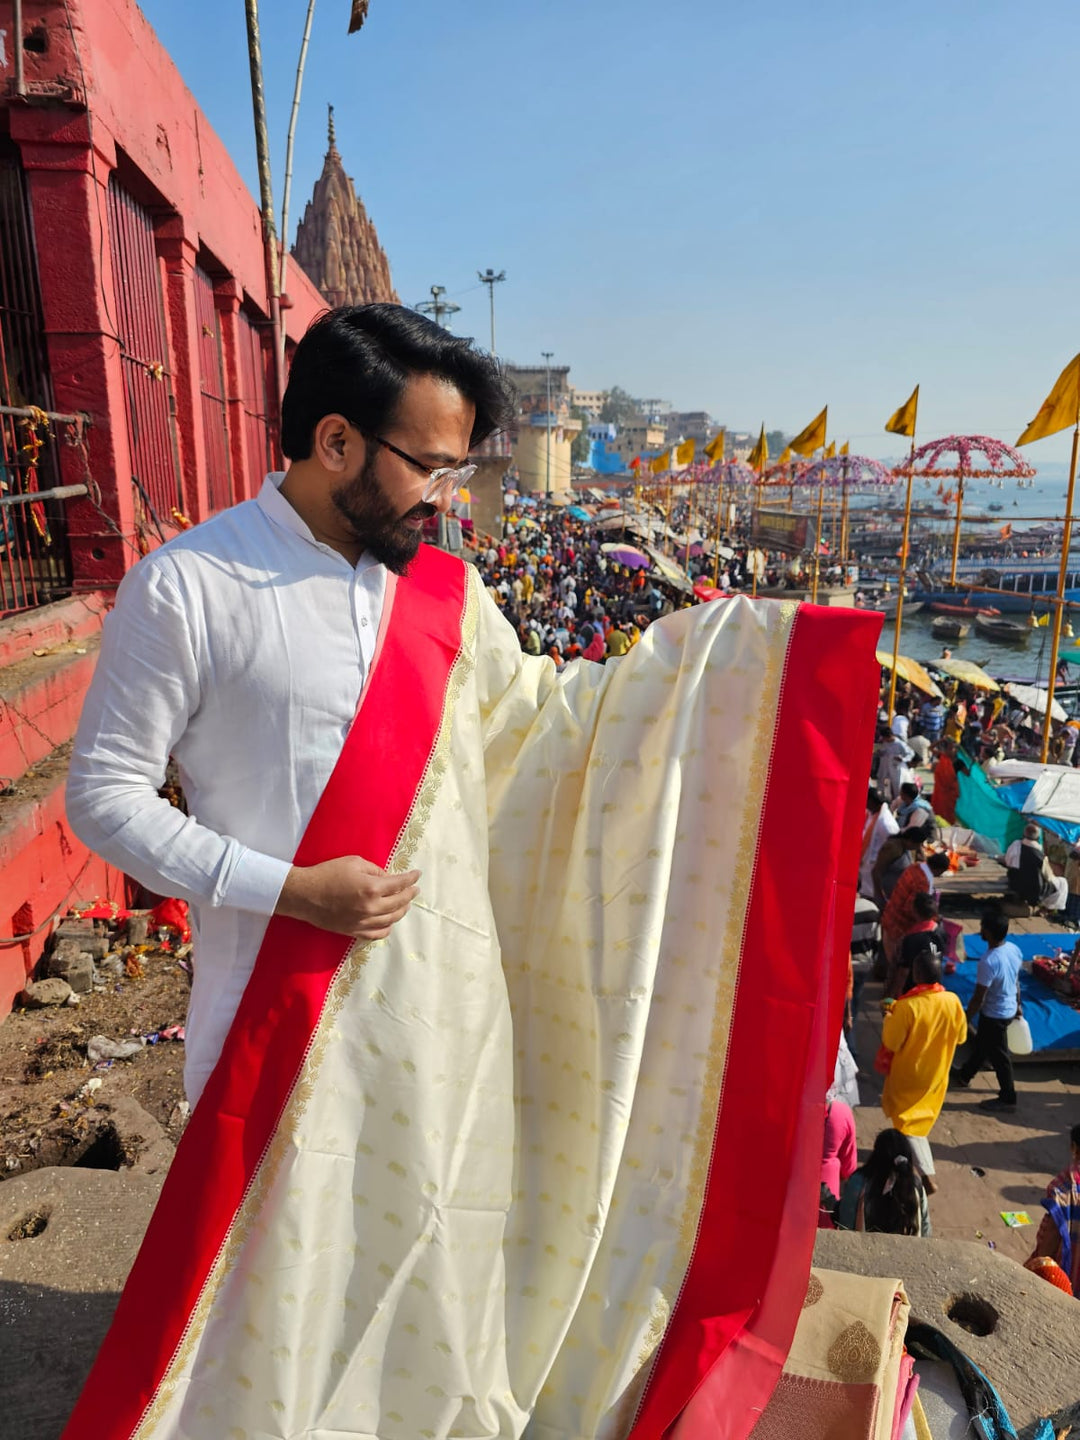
(336,243)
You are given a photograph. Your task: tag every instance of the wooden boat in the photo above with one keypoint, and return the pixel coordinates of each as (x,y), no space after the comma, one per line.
(887,605)
(941,607)
(949,627)
(997,627)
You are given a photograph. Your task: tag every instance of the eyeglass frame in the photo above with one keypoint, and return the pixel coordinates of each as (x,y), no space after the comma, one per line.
(441,478)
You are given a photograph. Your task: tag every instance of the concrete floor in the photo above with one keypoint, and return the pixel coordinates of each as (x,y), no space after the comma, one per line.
(1018,1154)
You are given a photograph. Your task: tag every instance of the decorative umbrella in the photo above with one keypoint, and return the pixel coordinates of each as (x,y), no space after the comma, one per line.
(626,555)
(843,472)
(735,474)
(668,570)
(578,512)
(960,458)
(911,671)
(1035,698)
(968,672)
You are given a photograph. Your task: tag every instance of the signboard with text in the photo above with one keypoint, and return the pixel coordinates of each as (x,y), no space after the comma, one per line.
(782,530)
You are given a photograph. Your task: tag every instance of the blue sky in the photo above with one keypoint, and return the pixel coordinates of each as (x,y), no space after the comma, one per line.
(754,208)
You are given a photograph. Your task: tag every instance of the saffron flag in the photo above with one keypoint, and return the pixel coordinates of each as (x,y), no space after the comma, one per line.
(830,450)
(659,463)
(813,437)
(715,448)
(1060,409)
(358,16)
(684,453)
(759,455)
(903,421)
(786,456)
(845,448)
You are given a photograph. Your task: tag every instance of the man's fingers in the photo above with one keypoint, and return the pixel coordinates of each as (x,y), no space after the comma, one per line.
(387,886)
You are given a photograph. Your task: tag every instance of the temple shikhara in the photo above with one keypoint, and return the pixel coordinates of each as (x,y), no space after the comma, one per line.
(336,243)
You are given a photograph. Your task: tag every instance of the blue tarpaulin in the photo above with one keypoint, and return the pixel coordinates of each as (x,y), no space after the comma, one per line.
(1015,796)
(1054,1025)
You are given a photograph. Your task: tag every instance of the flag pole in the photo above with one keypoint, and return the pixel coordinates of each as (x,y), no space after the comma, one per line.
(667,513)
(1059,603)
(903,579)
(689,523)
(719,522)
(959,512)
(817,537)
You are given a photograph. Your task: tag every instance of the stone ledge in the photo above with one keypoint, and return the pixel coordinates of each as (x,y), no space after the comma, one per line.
(1031,1356)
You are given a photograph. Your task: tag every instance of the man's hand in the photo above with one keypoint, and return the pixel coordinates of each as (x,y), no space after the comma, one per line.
(349,896)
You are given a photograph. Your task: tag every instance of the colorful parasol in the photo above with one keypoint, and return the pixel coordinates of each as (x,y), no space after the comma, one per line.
(911,671)
(968,672)
(960,458)
(626,555)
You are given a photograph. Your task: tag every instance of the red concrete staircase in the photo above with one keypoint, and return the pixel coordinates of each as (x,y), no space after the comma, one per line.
(47,657)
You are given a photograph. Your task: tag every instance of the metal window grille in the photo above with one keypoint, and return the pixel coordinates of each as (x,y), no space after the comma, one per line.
(212,389)
(253,380)
(35,564)
(140,323)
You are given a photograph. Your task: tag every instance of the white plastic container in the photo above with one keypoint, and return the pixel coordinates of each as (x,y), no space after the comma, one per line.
(1018,1037)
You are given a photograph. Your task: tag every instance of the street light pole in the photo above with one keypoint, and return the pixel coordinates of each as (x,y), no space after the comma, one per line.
(266,194)
(437,307)
(490,279)
(548,354)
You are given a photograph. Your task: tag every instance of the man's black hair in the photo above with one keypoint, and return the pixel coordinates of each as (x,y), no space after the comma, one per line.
(995,925)
(926,966)
(907,788)
(938,863)
(874,799)
(357,360)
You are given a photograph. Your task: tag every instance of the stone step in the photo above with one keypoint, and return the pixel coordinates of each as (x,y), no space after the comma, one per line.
(40,702)
(44,870)
(65,622)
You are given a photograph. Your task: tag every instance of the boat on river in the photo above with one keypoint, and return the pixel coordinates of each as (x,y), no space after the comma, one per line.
(942,607)
(950,627)
(997,627)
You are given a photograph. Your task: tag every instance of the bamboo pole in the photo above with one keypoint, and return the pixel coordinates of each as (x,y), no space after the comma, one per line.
(817,537)
(287,190)
(959,516)
(719,526)
(1059,606)
(266,193)
(900,588)
(689,528)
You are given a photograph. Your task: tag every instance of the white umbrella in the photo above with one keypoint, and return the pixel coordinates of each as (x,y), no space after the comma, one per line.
(1034,698)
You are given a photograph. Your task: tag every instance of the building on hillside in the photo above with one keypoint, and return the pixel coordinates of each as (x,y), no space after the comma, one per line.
(133,311)
(604,457)
(336,243)
(590,402)
(544,428)
(639,437)
(696,425)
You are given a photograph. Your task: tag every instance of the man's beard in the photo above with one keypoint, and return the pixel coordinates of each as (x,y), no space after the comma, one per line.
(374,520)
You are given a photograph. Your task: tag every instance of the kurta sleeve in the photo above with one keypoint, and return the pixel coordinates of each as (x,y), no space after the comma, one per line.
(146,687)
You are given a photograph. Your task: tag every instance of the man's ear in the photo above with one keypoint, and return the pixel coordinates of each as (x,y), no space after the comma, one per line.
(335,443)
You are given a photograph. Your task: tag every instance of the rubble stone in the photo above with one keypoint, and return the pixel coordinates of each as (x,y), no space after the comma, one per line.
(39,993)
(71,963)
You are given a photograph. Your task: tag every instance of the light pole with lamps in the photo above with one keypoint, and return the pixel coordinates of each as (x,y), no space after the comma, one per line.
(548,355)
(490,279)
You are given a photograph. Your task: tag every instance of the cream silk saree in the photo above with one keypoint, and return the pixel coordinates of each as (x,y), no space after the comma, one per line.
(544,1163)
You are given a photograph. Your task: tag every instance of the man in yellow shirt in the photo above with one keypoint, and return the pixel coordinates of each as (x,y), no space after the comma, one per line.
(918,1040)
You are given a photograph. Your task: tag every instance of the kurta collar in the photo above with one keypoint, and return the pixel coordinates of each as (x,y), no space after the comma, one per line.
(280,513)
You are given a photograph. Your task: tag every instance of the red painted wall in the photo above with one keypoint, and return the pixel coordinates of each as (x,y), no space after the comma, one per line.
(102,86)
(103,95)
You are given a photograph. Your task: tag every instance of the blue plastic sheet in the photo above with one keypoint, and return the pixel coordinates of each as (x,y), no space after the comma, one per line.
(1015,797)
(1054,1025)
(981,808)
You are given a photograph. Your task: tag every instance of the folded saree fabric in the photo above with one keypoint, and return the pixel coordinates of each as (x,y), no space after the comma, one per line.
(488,1178)
(846,1376)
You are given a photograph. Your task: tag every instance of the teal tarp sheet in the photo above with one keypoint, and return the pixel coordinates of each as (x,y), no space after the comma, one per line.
(981,809)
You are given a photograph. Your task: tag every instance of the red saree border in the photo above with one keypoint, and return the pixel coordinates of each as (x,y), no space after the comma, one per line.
(363,810)
(735,1317)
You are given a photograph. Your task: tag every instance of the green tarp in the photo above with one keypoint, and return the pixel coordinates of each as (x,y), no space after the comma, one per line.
(980,809)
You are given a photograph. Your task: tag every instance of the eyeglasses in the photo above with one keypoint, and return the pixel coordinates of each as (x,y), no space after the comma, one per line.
(444,480)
